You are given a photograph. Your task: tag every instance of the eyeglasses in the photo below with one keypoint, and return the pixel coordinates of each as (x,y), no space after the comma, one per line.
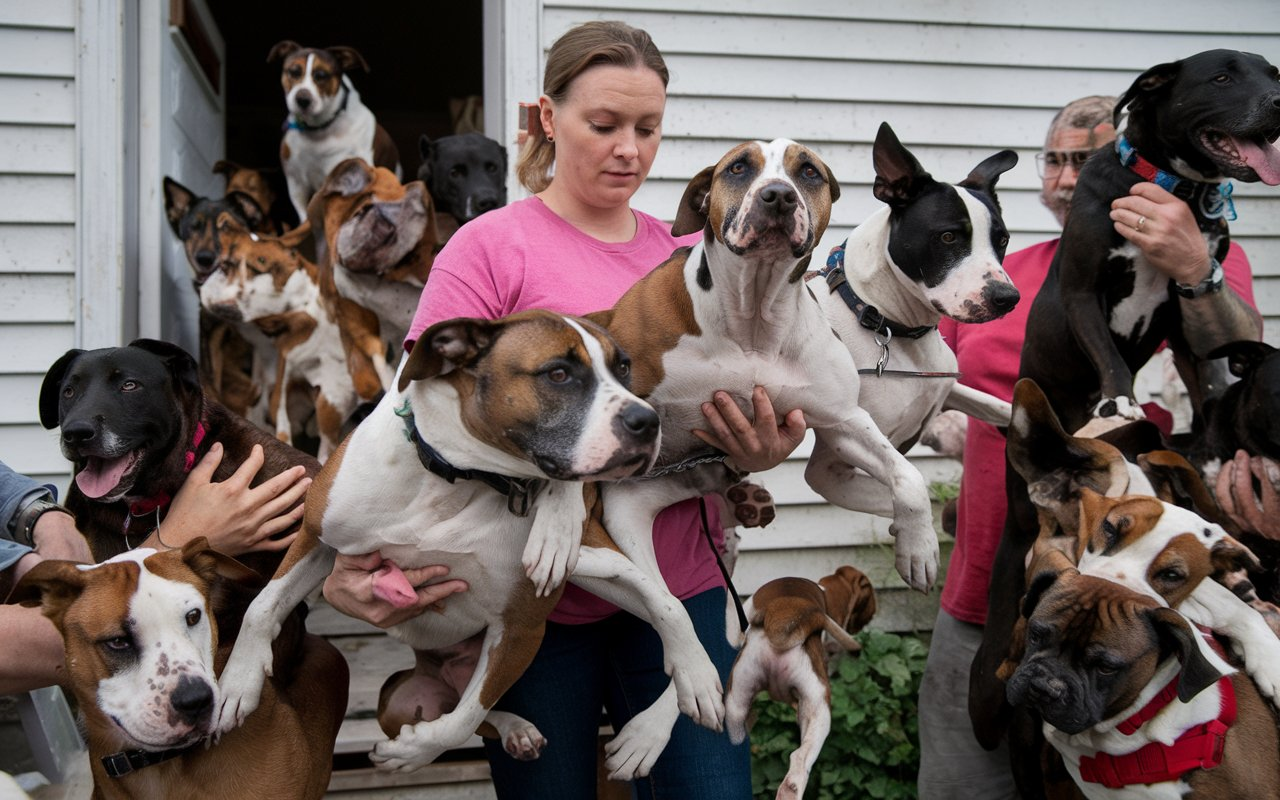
(1055,161)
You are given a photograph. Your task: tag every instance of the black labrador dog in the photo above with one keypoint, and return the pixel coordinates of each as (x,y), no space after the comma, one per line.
(466,175)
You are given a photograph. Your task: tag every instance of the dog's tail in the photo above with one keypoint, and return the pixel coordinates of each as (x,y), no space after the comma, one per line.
(790,629)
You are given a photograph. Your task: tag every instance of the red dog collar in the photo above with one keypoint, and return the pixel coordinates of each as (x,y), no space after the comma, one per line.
(149,504)
(1199,747)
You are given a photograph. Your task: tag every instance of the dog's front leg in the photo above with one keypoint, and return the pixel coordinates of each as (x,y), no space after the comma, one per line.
(1217,608)
(858,442)
(979,405)
(551,552)
(240,683)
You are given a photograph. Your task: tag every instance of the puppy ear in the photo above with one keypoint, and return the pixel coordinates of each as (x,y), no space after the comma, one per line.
(1176,634)
(694,208)
(212,565)
(349,178)
(349,58)
(447,346)
(984,176)
(1242,357)
(899,176)
(249,210)
(282,50)
(53,585)
(1177,482)
(1145,87)
(178,200)
(180,363)
(51,389)
(1228,555)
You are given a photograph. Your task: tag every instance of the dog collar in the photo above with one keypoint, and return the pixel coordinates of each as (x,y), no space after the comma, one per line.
(520,492)
(147,505)
(292,123)
(1214,199)
(1200,747)
(117,765)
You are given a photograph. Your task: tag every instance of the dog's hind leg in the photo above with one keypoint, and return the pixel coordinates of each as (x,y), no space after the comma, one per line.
(813,713)
(979,405)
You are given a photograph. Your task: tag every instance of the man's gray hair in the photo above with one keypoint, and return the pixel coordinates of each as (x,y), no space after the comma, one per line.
(1086,113)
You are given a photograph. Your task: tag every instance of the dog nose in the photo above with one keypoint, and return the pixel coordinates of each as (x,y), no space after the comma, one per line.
(486,204)
(1048,691)
(191,699)
(640,421)
(78,433)
(303,100)
(205,259)
(1001,296)
(779,196)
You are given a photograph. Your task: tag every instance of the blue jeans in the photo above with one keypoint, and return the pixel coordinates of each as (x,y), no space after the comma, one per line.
(616,663)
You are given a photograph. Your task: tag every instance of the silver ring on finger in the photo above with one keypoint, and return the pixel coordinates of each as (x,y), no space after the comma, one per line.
(1141,221)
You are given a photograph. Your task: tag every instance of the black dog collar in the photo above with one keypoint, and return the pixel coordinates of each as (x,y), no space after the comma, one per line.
(520,492)
(868,315)
(120,764)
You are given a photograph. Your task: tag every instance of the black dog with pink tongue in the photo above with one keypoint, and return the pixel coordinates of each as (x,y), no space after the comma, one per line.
(134,422)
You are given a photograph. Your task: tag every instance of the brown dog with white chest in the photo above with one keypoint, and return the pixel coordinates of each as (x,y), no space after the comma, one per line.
(146,634)
(784,654)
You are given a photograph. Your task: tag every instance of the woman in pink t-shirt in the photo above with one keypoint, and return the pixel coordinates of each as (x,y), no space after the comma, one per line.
(576,246)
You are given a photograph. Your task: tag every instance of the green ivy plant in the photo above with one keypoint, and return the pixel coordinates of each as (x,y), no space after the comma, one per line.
(874,746)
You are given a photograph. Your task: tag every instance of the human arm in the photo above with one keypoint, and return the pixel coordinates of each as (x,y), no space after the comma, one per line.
(350,589)
(32,655)
(235,517)
(1257,513)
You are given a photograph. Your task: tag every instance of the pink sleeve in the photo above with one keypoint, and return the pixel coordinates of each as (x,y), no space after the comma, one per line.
(1239,274)
(461,284)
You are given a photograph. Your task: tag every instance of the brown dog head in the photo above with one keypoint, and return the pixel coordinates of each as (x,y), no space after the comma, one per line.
(851,599)
(194,221)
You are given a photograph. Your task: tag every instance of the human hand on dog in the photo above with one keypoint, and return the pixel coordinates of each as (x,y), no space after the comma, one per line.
(350,588)
(235,517)
(754,446)
(1165,229)
(1236,497)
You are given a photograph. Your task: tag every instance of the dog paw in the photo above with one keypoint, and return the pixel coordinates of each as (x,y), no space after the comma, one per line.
(632,753)
(547,562)
(520,738)
(752,504)
(240,689)
(916,556)
(405,753)
(699,692)
(1125,408)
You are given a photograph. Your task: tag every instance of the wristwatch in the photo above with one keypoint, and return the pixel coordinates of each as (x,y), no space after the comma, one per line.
(24,522)
(1209,285)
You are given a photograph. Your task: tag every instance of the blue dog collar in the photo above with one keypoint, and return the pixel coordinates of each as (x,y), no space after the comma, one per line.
(1213,199)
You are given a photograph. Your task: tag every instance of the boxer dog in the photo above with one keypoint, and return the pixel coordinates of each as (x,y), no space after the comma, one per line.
(375,243)
(327,121)
(934,250)
(528,405)
(784,653)
(134,421)
(731,313)
(146,634)
(1130,699)
(466,176)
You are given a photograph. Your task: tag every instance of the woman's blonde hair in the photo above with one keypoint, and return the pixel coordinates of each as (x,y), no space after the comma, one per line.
(589,44)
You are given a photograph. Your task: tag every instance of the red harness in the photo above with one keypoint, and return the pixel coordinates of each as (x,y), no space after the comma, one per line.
(148,505)
(1199,747)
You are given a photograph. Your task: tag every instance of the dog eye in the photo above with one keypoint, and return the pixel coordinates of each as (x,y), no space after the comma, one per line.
(457,172)
(1224,78)
(321,74)
(558,375)
(129,386)
(118,644)
(193,617)
(948,237)
(1107,669)
(1170,576)
(295,72)
(738,167)
(1003,242)
(809,171)
(623,369)
(491,168)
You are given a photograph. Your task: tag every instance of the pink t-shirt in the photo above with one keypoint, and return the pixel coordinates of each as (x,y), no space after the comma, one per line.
(989,356)
(523,256)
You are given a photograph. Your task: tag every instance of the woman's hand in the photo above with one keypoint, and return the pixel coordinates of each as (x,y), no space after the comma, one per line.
(754,446)
(1234,489)
(350,589)
(235,517)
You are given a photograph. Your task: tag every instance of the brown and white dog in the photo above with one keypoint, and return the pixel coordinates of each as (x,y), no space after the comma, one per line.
(1130,699)
(784,654)
(375,243)
(529,404)
(266,283)
(143,652)
(327,122)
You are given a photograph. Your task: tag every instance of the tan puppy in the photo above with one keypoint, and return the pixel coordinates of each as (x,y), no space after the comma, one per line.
(784,653)
(143,655)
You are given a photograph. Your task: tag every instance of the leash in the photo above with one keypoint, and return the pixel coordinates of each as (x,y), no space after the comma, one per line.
(728,581)
(1213,199)
(520,492)
(117,765)
(1199,747)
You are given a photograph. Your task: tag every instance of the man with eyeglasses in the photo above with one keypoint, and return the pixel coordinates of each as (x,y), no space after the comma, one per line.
(952,763)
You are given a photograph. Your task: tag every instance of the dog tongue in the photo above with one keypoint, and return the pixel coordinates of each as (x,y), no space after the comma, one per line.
(101,475)
(391,586)
(1264,160)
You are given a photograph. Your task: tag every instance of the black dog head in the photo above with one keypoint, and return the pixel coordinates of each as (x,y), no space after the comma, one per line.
(1213,115)
(1089,646)
(950,240)
(194,219)
(122,411)
(466,174)
(1248,414)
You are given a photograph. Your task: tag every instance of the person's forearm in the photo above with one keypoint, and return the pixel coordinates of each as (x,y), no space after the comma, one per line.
(32,654)
(1218,318)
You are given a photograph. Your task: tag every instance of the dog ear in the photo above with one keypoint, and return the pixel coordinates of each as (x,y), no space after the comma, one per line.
(1242,357)
(1176,633)
(426,149)
(1229,554)
(178,200)
(984,176)
(51,389)
(1146,85)
(446,346)
(180,363)
(295,237)
(249,210)
(348,178)
(225,168)
(212,565)
(899,176)
(53,585)
(694,208)
(349,58)
(1177,482)
(282,50)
